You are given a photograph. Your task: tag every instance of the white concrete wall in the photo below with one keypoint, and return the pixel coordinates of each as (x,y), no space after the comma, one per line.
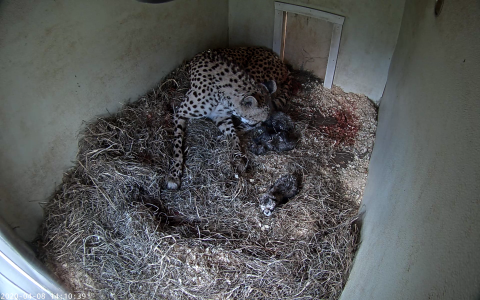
(62,62)
(368,39)
(421,233)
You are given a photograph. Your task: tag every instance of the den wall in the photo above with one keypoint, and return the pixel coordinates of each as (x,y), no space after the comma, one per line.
(368,38)
(420,237)
(65,62)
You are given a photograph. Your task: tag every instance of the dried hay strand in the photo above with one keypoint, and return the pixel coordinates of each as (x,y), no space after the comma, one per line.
(113,231)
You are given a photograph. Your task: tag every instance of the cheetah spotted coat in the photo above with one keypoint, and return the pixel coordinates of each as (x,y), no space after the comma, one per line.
(226,82)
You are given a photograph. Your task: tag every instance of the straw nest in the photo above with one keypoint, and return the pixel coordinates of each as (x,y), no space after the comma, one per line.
(112,230)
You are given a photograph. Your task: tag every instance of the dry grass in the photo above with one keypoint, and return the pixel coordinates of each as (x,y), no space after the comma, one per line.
(113,231)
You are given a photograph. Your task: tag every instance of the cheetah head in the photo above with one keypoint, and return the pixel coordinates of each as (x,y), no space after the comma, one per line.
(256,106)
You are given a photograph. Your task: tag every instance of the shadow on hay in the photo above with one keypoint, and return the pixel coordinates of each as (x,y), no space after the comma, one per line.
(114,232)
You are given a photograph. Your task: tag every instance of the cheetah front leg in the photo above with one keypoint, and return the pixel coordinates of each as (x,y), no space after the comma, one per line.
(173,181)
(225,124)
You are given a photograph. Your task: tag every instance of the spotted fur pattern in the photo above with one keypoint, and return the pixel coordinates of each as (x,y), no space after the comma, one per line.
(262,65)
(225,82)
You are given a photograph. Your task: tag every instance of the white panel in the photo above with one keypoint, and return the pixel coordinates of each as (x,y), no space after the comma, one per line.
(310,12)
(332,56)
(10,289)
(21,274)
(277,31)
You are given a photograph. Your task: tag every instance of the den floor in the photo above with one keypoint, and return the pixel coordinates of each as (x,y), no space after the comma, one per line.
(114,232)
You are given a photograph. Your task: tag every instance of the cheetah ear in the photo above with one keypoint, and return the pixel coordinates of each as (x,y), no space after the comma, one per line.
(271,86)
(249,101)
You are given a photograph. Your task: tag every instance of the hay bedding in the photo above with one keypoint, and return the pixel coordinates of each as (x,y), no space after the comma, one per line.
(113,231)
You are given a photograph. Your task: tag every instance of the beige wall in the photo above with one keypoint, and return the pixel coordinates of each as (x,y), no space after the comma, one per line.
(421,234)
(63,62)
(368,39)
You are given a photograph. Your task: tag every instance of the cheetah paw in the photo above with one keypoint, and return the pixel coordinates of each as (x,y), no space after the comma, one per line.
(173,183)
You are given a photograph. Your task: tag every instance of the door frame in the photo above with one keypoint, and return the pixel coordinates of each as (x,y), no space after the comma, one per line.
(279,30)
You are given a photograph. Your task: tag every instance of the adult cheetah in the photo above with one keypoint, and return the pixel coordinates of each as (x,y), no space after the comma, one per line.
(226,82)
